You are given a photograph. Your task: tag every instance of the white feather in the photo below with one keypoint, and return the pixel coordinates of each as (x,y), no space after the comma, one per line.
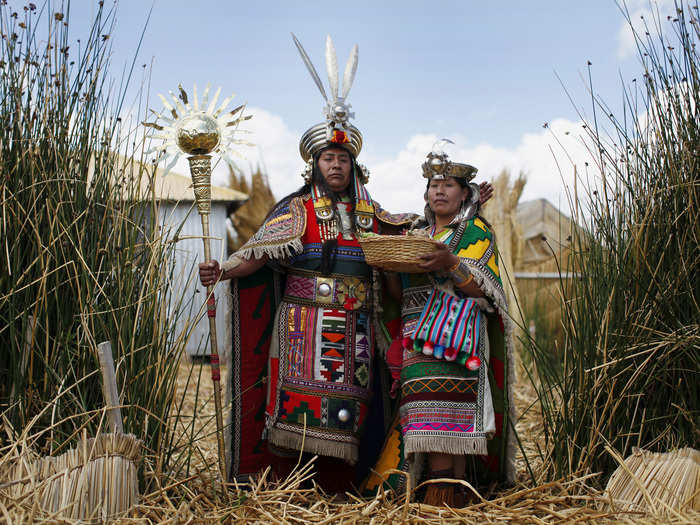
(350,69)
(332,66)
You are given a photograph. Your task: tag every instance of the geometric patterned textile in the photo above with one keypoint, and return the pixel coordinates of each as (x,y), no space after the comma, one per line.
(445,407)
(323,358)
(277,381)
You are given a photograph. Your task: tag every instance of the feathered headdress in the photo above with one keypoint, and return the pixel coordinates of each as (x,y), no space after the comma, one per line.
(336,129)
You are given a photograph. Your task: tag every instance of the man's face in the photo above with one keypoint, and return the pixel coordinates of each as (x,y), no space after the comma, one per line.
(335,166)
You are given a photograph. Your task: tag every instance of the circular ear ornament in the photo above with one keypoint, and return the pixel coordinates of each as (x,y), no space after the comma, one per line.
(364,173)
(364,221)
(308,171)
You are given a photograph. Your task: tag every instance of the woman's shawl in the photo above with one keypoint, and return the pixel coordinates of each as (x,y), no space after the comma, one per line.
(476,248)
(479,256)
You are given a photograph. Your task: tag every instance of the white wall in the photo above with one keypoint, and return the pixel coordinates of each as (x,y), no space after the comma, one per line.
(189,306)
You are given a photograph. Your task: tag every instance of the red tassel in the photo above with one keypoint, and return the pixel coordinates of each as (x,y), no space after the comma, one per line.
(450,353)
(473,363)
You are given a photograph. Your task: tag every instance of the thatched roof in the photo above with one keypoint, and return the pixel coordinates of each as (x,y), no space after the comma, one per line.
(546,232)
(176,187)
(172,187)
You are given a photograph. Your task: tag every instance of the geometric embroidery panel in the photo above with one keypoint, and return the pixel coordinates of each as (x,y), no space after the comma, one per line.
(330,352)
(362,349)
(296,328)
(442,385)
(295,405)
(361,375)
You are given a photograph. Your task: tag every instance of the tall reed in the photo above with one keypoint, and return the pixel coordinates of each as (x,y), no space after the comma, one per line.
(628,372)
(82,257)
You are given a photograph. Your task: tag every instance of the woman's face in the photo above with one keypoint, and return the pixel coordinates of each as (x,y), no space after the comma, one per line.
(445,196)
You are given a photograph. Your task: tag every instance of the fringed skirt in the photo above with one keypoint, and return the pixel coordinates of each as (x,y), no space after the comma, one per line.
(445,407)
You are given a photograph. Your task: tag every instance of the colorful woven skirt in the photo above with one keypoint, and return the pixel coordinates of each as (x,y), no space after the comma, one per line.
(445,407)
(320,367)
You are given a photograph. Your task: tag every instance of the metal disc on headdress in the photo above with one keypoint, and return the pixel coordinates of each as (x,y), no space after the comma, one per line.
(316,138)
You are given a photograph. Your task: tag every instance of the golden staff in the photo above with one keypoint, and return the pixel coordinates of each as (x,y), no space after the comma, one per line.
(197,131)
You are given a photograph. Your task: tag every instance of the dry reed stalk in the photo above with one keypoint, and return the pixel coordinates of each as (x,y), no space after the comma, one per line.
(95,481)
(666,483)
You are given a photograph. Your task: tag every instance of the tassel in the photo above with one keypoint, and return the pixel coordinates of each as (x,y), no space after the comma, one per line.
(462,358)
(450,354)
(439,352)
(407,343)
(473,363)
(428,348)
(418,345)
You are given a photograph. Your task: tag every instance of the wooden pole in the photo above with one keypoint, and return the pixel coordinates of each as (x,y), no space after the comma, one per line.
(109,387)
(200,169)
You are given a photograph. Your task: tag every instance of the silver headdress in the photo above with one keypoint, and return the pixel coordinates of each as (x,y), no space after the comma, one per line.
(437,166)
(337,129)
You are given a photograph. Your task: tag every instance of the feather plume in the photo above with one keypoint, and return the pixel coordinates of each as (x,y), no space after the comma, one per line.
(310,67)
(350,69)
(332,66)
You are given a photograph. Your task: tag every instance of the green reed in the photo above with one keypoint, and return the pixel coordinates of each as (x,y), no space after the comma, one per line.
(627,374)
(82,258)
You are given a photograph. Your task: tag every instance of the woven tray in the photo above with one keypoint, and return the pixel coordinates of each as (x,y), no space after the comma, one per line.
(396,253)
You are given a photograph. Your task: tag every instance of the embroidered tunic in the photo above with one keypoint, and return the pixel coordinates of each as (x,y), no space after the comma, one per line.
(303,343)
(321,361)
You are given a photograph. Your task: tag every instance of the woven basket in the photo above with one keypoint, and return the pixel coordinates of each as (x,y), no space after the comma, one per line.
(396,253)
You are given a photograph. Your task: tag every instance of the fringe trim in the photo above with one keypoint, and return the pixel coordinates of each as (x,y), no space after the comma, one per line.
(457,446)
(499,299)
(323,447)
(279,251)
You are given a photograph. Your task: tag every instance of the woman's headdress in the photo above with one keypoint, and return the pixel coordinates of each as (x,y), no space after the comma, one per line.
(438,166)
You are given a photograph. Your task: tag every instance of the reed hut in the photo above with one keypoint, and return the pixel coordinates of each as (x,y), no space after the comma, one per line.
(542,265)
(180,223)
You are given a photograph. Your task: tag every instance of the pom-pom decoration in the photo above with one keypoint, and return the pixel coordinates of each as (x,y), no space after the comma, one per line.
(428,348)
(439,352)
(450,353)
(473,363)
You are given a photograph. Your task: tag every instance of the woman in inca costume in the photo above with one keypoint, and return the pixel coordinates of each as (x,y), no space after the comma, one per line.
(303,362)
(454,348)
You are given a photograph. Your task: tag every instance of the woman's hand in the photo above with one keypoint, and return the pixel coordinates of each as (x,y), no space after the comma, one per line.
(485,192)
(209,273)
(440,259)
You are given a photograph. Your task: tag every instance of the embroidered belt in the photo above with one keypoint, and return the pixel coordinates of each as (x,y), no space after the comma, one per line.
(337,291)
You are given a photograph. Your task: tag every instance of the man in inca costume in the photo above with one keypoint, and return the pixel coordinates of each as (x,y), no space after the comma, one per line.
(303,364)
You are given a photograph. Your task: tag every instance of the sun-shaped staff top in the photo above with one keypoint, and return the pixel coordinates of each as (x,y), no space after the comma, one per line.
(196,128)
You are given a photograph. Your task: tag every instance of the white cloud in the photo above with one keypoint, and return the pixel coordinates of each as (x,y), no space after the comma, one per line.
(641,17)
(546,157)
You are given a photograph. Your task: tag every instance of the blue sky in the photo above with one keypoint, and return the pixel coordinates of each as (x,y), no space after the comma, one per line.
(481,73)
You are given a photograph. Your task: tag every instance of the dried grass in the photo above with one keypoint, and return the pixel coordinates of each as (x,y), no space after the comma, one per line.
(196,496)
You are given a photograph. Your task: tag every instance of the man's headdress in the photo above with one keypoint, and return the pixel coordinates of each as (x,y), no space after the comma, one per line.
(336,130)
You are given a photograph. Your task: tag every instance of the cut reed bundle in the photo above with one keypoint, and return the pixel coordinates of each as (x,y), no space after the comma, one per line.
(96,481)
(662,483)
(396,253)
